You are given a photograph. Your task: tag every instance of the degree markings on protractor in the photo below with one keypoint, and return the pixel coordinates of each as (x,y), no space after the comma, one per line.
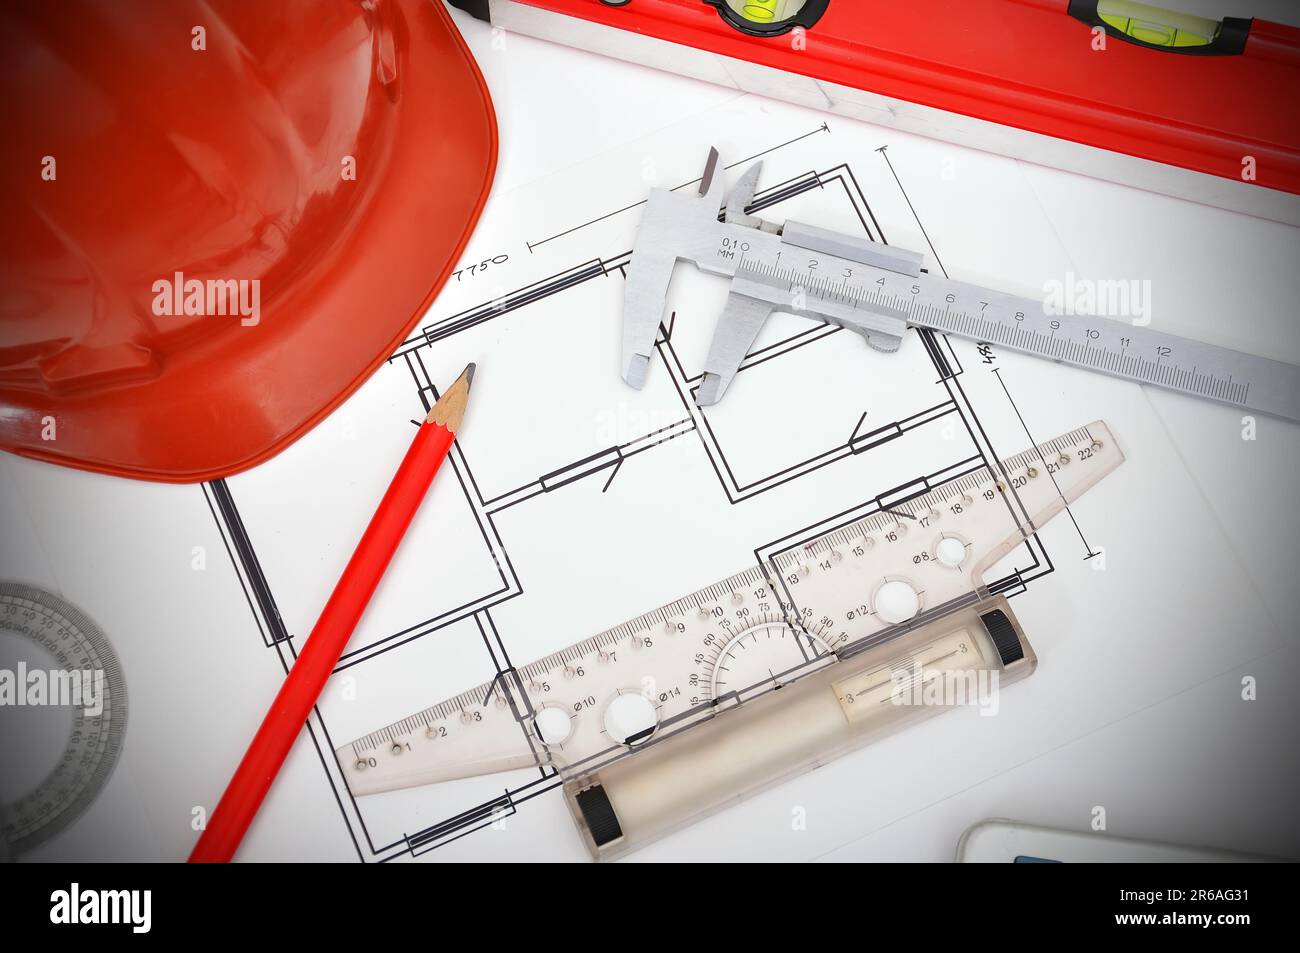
(764,655)
(95,740)
(798,611)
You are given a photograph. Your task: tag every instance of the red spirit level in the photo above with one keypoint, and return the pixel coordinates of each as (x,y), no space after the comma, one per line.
(1201,109)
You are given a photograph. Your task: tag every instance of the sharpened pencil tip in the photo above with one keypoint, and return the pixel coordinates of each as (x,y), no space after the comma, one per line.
(449,409)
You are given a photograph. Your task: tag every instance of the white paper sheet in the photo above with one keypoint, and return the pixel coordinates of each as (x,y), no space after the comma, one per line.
(507,561)
(546,569)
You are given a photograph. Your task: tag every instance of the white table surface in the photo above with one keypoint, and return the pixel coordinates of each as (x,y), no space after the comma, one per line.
(121,550)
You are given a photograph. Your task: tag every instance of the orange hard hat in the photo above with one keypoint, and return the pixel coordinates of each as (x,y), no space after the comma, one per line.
(218,217)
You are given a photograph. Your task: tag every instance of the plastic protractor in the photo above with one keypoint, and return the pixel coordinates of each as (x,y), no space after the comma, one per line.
(70,731)
(768,654)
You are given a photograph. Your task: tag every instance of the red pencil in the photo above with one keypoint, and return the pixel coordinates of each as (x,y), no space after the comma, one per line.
(302,686)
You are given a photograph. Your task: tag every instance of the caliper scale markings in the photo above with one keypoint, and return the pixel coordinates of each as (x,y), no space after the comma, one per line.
(879,291)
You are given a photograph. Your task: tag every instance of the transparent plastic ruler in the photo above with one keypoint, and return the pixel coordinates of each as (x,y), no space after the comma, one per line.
(844,590)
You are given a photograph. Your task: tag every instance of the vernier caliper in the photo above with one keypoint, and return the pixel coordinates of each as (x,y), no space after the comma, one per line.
(879,291)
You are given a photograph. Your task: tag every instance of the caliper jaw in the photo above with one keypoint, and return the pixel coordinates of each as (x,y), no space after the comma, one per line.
(753,297)
(669,224)
(741,197)
(742,318)
(684,226)
(648,275)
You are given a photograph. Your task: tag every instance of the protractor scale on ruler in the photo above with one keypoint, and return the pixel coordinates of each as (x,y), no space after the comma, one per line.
(56,644)
(766,655)
(847,588)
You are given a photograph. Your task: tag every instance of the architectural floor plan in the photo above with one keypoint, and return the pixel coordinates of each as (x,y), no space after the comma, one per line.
(562,522)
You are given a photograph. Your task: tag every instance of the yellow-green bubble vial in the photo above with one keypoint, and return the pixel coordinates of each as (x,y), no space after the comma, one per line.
(766,11)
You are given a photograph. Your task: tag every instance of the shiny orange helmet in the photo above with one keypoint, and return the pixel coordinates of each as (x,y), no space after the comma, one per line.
(217,217)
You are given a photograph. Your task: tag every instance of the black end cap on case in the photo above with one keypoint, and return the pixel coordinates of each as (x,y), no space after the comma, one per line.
(599,815)
(1004,637)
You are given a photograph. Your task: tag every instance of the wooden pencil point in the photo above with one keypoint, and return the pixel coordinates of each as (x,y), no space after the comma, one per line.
(450,408)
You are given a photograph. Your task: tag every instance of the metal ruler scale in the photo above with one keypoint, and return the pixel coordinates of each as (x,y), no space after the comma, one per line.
(848,590)
(866,294)
(879,291)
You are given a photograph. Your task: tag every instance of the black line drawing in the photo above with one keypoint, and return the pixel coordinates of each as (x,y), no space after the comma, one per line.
(951,405)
